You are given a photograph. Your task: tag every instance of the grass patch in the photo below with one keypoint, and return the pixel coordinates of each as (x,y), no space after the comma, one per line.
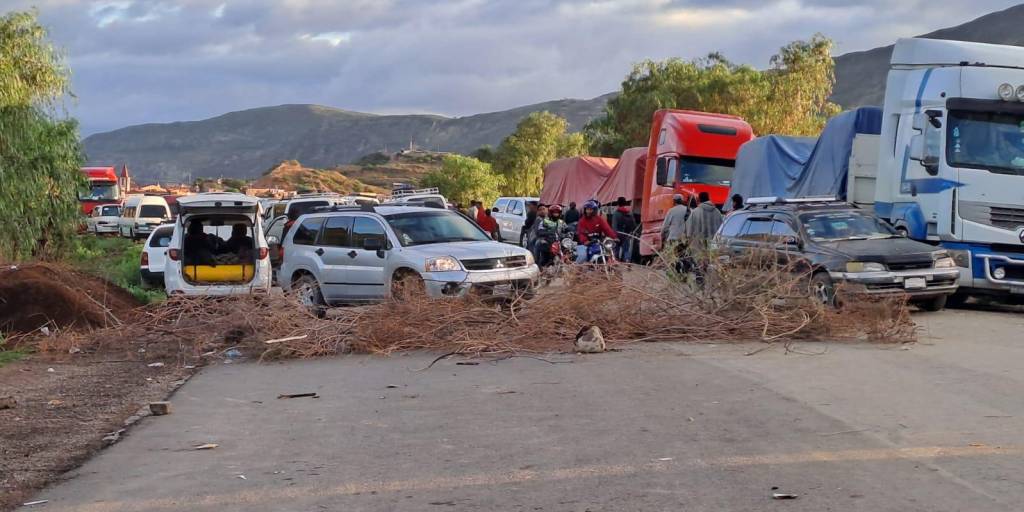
(115,259)
(10,356)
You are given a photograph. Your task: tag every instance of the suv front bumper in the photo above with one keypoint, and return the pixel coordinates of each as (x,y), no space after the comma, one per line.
(459,283)
(937,282)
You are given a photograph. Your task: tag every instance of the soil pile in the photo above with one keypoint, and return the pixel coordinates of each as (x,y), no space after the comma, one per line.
(40,294)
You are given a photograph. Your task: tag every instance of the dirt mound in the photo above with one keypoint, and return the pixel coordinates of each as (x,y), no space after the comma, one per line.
(39,294)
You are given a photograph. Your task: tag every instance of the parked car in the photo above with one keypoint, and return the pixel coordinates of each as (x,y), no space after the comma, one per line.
(218,247)
(367,254)
(141,214)
(838,242)
(510,214)
(104,218)
(154,255)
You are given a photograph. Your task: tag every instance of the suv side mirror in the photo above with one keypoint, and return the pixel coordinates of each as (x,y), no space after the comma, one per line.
(373,244)
(495,210)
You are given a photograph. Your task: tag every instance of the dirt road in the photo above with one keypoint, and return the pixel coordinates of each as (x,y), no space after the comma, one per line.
(934,426)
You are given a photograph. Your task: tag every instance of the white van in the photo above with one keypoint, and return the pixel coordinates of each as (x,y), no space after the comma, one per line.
(510,214)
(141,214)
(218,247)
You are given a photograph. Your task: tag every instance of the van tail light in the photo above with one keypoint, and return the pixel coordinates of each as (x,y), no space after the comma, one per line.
(173,254)
(264,252)
(145,259)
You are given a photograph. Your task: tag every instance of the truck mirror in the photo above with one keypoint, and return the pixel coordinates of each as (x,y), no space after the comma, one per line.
(919,121)
(919,151)
(933,118)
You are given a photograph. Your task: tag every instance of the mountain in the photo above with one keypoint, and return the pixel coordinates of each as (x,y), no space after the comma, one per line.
(243,144)
(860,76)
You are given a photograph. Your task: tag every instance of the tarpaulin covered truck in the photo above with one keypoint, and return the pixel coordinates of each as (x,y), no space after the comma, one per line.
(787,167)
(947,165)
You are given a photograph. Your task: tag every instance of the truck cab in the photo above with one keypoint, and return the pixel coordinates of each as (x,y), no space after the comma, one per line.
(101,188)
(688,153)
(951,156)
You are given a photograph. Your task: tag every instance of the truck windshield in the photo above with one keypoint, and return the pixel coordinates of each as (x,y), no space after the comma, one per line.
(986,140)
(99,192)
(708,171)
(421,228)
(844,225)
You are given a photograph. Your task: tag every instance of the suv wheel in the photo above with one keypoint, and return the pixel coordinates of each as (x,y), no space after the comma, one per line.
(407,285)
(823,289)
(310,295)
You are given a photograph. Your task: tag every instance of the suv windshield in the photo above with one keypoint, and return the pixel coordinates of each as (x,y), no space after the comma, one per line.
(419,228)
(986,140)
(710,171)
(844,225)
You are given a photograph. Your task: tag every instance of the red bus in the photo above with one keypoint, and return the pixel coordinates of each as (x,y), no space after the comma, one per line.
(102,188)
(688,153)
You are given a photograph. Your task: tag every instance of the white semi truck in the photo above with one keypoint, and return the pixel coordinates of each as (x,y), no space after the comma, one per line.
(942,161)
(951,156)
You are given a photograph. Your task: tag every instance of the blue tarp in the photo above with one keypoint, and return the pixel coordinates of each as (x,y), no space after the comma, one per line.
(782,166)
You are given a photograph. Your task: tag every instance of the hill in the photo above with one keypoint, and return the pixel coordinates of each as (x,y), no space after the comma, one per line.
(241,144)
(291,175)
(860,76)
(373,175)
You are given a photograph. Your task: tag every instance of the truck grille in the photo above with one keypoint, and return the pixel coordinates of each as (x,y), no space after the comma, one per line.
(992,214)
(495,263)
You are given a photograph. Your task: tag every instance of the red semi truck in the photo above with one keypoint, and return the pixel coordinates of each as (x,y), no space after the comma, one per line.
(102,188)
(688,153)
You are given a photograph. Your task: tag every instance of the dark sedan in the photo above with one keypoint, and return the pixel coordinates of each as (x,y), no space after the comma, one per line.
(838,242)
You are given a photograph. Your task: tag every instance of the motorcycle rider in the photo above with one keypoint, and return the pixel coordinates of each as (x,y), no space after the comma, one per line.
(591,224)
(546,230)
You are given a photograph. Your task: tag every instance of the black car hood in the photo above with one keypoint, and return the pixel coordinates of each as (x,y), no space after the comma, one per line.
(885,250)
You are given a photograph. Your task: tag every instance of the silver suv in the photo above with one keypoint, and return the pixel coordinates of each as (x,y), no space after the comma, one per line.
(351,255)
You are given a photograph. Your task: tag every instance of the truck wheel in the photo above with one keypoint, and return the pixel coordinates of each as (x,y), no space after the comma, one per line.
(823,289)
(936,304)
(311,296)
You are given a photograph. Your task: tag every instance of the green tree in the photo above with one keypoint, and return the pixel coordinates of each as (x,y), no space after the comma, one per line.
(462,179)
(790,97)
(538,139)
(40,154)
(485,154)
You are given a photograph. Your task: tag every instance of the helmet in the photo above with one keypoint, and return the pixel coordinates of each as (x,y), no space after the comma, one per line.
(592,203)
(555,208)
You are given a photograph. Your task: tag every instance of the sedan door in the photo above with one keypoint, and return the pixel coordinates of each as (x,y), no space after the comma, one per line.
(368,258)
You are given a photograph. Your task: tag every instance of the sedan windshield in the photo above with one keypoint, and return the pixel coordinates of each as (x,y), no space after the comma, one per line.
(844,225)
(986,140)
(709,171)
(419,228)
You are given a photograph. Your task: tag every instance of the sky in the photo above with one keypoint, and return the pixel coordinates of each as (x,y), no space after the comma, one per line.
(142,61)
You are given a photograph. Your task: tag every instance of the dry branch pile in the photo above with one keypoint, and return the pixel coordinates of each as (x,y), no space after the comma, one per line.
(739,302)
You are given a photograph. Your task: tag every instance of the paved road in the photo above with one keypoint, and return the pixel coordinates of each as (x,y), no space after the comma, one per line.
(656,427)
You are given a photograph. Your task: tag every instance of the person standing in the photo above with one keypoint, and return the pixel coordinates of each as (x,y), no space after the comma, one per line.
(703,222)
(674,226)
(488,224)
(525,236)
(737,202)
(572,215)
(474,209)
(624,224)
(700,229)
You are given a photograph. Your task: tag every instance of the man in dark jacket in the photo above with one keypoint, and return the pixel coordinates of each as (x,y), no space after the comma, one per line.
(572,215)
(624,224)
(531,216)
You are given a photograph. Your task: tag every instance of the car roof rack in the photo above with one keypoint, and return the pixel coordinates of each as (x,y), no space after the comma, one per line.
(315,194)
(369,208)
(402,192)
(770,200)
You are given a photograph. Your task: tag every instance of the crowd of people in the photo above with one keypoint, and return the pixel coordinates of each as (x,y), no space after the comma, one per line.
(687,227)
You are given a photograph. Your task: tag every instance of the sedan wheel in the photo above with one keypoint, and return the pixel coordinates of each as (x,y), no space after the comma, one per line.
(823,289)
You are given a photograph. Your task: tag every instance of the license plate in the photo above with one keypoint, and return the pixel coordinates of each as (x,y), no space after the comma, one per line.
(503,289)
(915,283)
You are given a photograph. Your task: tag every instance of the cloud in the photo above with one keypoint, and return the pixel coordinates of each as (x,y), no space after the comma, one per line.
(137,61)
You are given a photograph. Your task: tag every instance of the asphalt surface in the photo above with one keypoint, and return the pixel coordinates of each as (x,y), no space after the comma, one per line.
(936,426)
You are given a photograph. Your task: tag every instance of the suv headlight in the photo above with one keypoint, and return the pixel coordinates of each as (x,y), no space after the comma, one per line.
(443,264)
(864,266)
(529,259)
